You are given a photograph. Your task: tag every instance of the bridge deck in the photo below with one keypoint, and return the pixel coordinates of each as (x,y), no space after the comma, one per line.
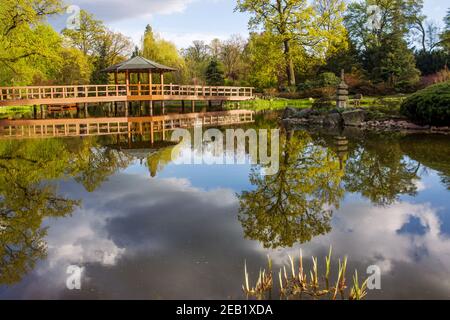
(53,95)
(46,128)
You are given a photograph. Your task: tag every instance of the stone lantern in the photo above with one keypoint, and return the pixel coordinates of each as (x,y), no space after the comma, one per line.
(342,93)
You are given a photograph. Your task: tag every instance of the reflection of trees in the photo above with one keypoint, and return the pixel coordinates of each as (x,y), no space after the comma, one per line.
(378,170)
(93,164)
(28,193)
(293,205)
(27,198)
(431,151)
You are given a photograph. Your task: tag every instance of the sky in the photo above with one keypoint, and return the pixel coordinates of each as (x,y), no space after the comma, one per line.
(182,21)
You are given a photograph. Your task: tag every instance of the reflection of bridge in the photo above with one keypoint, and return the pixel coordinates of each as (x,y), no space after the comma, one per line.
(44,128)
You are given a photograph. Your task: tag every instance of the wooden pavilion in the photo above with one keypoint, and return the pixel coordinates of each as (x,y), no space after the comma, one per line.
(144,70)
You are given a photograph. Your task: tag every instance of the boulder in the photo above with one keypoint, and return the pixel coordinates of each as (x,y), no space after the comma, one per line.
(294,113)
(354,118)
(333,120)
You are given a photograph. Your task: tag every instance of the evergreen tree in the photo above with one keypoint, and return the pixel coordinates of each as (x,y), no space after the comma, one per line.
(214,73)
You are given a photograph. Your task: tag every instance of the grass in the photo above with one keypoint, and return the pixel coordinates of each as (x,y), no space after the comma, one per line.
(6,112)
(378,108)
(272,104)
(298,283)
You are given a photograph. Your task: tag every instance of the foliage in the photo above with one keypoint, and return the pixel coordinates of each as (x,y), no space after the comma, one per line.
(378,171)
(29,195)
(429,106)
(28,45)
(293,205)
(384,53)
(164,52)
(296,283)
(214,73)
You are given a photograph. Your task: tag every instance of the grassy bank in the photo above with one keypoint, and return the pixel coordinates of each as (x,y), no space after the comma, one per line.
(13,112)
(378,107)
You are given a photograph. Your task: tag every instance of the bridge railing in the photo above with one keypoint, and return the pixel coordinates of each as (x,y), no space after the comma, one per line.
(93,91)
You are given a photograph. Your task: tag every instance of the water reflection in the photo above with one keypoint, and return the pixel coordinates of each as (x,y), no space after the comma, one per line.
(145,228)
(294,205)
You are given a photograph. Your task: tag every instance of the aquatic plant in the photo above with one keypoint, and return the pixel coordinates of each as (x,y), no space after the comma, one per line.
(297,283)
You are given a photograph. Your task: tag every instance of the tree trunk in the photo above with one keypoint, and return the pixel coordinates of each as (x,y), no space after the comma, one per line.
(289,64)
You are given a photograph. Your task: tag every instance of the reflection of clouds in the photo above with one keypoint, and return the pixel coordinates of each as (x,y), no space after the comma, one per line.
(162,235)
(420,185)
(370,235)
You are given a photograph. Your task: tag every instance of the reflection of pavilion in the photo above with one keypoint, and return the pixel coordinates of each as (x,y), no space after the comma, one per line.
(45,128)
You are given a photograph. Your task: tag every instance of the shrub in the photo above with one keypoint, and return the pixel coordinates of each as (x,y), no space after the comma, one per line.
(430,106)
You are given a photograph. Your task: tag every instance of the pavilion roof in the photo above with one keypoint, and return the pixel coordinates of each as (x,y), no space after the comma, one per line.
(139,64)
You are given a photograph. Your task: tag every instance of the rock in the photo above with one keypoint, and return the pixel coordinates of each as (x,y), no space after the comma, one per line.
(293,113)
(333,120)
(316,120)
(412,126)
(353,118)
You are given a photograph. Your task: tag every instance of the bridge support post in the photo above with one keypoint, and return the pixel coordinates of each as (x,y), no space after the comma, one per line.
(193,106)
(150,108)
(183,107)
(34,112)
(163,107)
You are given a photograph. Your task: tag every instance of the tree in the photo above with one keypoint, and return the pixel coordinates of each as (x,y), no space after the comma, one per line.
(164,52)
(264,54)
(28,45)
(88,36)
(231,55)
(287,19)
(384,52)
(74,68)
(214,73)
(197,57)
(445,36)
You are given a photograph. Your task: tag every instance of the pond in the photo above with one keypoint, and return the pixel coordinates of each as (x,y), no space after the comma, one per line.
(144,227)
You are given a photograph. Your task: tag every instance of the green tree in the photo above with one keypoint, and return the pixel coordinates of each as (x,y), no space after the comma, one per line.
(164,52)
(384,51)
(214,73)
(445,36)
(197,57)
(286,19)
(74,68)
(87,37)
(293,206)
(232,58)
(264,55)
(28,45)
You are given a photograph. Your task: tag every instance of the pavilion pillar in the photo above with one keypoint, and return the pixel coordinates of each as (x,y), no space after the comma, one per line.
(139,83)
(150,83)
(162,83)
(34,112)
(193,106)
(127,82)
(151,107)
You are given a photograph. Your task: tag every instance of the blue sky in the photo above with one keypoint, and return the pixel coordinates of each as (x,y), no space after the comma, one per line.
(182,21)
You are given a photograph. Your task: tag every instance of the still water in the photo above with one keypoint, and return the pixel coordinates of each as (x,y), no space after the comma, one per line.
(143,227)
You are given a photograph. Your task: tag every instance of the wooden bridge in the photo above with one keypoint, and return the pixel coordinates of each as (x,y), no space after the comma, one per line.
(63,95)
(47,128)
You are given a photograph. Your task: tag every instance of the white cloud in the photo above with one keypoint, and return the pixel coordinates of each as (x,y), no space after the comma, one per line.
(113,10)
